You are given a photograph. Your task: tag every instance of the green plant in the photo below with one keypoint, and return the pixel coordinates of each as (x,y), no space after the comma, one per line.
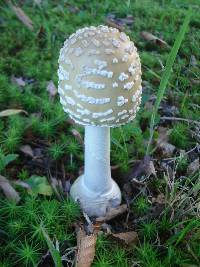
(30,209)
(49,212)
(12,139)
(180,135)
(6,159)
(166,74)
(46,128)
(147,255)
(148,230)
(141,205)
(27,254)
(119,256)
(56,151)
(73,147)
(54,251)
(9,209)
(23,174)
(103,260)
(70,211)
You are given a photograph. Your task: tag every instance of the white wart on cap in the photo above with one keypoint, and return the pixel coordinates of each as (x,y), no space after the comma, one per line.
(100,77)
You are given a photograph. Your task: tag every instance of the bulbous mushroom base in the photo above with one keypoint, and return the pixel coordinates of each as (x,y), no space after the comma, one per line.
(95,203)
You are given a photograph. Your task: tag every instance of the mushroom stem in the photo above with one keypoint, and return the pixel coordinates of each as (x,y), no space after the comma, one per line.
(97,175)
(96,191)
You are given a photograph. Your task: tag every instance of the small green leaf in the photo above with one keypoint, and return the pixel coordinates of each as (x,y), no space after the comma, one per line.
(39,185)
(8,158)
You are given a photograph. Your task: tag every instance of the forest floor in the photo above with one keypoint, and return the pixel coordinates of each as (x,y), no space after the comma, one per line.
(41,149)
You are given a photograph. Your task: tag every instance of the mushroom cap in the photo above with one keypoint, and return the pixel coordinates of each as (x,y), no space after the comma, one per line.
(100,77)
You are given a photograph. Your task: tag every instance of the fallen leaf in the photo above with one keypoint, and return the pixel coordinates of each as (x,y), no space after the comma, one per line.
(119,23)
(22,17)
(113,24)
(86,248)
(27,150)
(145,166)
(51,88)
(152,38)
(22,184)
(18,81)
(10,112)
(112,213)
(128,237)
(193,167)
(78,136)
(8,190)
(160,199)
(39,185)
(162,144)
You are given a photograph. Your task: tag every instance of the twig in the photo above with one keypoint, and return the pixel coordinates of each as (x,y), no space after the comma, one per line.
(180,119)
(186,153)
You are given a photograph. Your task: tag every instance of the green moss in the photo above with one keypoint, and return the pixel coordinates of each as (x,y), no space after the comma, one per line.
(141,205)
(32,55)
(180,136)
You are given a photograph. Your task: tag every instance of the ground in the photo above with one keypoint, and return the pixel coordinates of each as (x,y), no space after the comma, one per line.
(41,145)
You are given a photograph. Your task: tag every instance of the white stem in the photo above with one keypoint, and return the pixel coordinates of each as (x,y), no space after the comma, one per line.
(97,175)
(95,190)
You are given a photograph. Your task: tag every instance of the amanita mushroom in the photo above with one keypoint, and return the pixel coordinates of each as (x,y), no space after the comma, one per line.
(100,87)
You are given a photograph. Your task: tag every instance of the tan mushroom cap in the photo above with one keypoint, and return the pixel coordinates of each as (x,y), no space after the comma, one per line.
(100,77)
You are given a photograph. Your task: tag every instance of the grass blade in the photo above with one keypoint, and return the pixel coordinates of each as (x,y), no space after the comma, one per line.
(54,252)
(166,74)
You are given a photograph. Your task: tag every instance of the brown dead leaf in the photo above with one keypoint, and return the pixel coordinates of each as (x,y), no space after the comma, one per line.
(113,21)
(10,112)
(86,248)
(193,167)
(145,167)
(160,199)
(8,190)
(112,213)
(22,16)
(128,238)
(162,144)
(27,150)
(113,24)
(18,81)
(51,88)
(152,38)
(78,136)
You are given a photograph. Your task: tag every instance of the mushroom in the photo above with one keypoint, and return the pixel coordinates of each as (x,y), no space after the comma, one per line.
(100,87)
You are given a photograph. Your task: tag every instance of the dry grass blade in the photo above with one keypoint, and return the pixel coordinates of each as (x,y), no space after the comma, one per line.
(27,150)
(78,136)
(86,248)
(193,167)
(9,112)
(22,16)
(152,38)
(51,88)
(112,213)
(8,190)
